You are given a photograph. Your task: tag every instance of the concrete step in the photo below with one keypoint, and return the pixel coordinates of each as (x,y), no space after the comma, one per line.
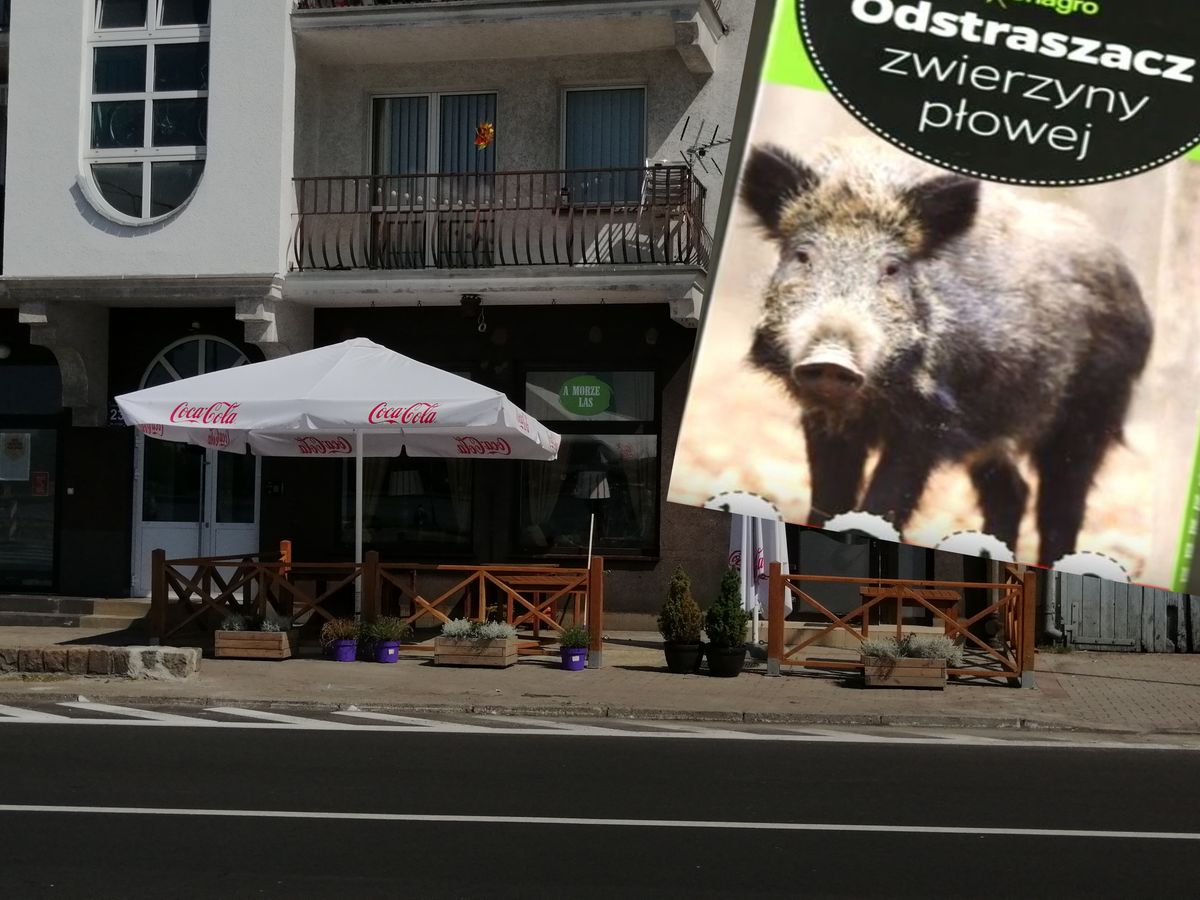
(44,611)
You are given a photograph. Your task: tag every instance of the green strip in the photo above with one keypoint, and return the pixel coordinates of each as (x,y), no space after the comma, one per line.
(787,60)
(1183,558)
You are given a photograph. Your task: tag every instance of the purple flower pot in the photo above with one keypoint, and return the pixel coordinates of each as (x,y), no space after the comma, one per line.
(387,651)
(574,659)
(343,651)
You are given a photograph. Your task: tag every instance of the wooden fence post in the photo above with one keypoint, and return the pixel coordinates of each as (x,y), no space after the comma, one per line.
(595,613)
(370,586)
(158,595)
(287,600)
(1028,627)
(775,620)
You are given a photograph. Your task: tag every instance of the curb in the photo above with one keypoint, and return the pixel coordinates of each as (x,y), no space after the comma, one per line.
(601,711)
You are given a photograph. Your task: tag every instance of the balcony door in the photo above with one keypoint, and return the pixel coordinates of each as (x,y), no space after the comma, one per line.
(188,500)
(604,144)
(434,194)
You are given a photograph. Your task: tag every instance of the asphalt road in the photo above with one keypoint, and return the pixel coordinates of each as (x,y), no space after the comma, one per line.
(337,814)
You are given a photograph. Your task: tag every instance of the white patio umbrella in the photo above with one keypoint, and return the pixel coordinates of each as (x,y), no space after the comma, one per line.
(755,543)
(355,398)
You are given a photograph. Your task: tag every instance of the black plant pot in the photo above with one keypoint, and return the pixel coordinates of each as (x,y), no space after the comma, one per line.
(725,662)
(683,659)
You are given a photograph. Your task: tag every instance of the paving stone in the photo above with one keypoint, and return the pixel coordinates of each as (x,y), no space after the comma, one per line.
(77,660)
(54,659)
(10,659)
(99,661)
(31,659)
(121,663)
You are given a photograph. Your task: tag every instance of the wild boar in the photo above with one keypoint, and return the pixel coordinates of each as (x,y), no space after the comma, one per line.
(940,320)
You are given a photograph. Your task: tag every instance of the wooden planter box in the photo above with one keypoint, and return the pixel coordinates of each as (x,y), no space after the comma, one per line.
(499,652)
(909,673)
(255,644)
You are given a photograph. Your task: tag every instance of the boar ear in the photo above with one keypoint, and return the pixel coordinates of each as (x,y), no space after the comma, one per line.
(771,178)
(945,208)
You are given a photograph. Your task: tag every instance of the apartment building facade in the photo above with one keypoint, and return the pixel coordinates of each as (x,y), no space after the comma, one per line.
(508,190)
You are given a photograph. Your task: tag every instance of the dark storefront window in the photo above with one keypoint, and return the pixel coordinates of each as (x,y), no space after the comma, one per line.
(27,475)
(411,504)
(607,465)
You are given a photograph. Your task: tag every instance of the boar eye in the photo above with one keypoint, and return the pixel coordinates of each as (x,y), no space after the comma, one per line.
(802,257)
(892,268)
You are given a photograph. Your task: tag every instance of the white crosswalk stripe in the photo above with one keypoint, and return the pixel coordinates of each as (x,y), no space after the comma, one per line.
(354,719)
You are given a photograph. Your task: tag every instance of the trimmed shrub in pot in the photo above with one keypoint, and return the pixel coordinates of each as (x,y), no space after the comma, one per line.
(679,623)
(573,646)
(385,635)
(725,624)
(339,639)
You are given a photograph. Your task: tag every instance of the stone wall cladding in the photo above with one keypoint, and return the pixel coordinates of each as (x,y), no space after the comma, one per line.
(150,663)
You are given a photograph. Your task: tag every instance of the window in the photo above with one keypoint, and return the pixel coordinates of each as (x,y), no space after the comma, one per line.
(607,465)
(148,104)
(604,143)
(435,134)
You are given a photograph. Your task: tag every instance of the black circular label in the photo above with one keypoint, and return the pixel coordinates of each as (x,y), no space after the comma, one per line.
(1037,92)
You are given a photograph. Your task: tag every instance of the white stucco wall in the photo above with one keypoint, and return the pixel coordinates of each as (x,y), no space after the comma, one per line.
(237,221)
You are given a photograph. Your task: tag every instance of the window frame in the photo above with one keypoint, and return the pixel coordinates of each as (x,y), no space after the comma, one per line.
(149,37)
(433,126)
(568,427)
(562,140)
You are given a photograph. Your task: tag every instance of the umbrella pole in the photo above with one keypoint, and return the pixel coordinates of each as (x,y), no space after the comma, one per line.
(358,519)
(591,531)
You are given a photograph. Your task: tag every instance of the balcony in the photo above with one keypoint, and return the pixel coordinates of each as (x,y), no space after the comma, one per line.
(579,221)
(380,32)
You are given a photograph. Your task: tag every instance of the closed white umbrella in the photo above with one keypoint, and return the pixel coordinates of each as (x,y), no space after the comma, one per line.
(355,398)
(755,543)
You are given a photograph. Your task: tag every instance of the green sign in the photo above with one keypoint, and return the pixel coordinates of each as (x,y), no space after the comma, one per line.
(585,395)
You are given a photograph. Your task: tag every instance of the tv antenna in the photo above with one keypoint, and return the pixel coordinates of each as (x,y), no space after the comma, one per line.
(703,143)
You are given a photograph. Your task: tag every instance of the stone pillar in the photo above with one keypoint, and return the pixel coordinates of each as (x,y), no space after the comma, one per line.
(276,326)
(77,335)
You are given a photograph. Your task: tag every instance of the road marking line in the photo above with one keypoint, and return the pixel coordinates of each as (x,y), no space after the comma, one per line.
(610,823)
(281,718)
(425,724)
(28,715)
(542,725)
(138,713)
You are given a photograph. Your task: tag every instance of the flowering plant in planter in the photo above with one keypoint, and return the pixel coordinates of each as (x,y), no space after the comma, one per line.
(339,638)
(260,637)
(910,661)
(465,642)
(384,635)
(573,643)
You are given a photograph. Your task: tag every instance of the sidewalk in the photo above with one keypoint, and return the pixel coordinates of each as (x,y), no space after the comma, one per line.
(1132,693)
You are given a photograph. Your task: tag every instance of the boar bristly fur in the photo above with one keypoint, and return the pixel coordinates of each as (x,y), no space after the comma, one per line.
(939,320)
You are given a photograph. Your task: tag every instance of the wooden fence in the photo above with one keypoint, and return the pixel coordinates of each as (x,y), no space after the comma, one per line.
(197,593)
(1011,610)
(1095,614)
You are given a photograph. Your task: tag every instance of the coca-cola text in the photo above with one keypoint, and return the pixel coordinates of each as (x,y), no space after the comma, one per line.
(419,413)
(473,446)
(320,446)
(219,413)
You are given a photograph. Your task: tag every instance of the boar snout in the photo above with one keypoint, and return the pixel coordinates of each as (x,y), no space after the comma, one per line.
(828,375)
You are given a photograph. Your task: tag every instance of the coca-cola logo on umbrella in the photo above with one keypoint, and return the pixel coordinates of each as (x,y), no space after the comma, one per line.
(472,446)
(420,413)
(218,438)
(151,430)
(310,445)
(220,413)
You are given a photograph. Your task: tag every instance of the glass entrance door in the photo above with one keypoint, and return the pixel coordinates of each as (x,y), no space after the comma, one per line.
(27,476)
(191,501)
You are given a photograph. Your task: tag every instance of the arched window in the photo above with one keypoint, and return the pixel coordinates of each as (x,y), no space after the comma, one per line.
(148,105)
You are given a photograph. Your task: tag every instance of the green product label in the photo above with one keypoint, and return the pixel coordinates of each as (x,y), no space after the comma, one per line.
(585,395)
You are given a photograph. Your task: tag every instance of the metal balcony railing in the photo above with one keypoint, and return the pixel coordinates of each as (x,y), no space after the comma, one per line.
(593,217)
